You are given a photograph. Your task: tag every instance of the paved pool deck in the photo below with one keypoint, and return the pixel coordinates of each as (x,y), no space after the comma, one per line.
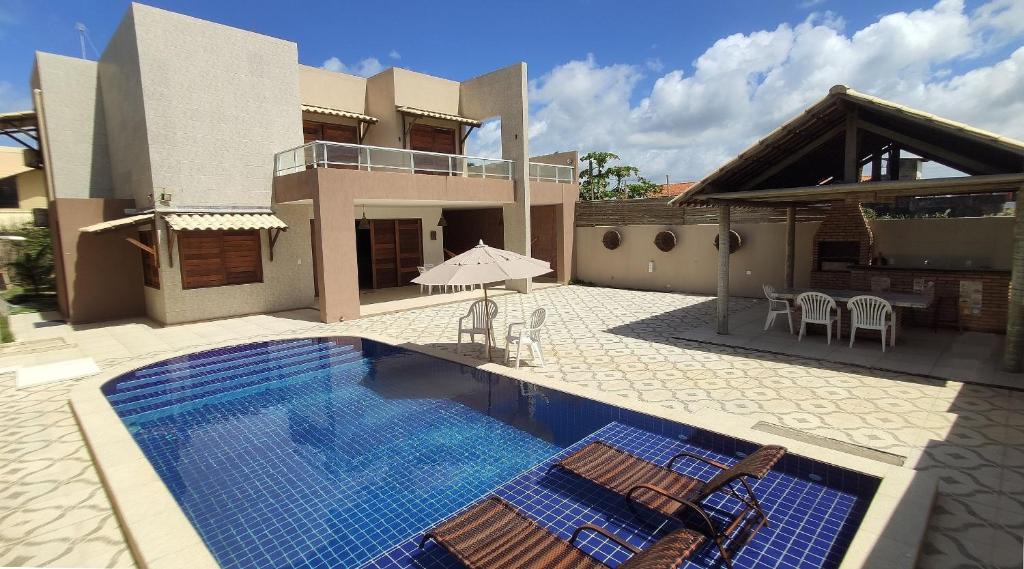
(626,344)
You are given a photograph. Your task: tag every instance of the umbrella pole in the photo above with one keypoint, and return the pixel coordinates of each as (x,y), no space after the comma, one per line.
(487,317)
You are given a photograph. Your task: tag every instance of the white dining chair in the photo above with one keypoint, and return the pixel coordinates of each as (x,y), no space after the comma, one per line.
(776,306)
(872,313)
(479,320)
(430,288)
(521,335)
(818,308)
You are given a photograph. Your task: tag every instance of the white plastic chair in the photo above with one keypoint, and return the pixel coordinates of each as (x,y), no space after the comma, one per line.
(480,321)
(430,288)
(818,308)
(872,313)
(776,306)
(528,336)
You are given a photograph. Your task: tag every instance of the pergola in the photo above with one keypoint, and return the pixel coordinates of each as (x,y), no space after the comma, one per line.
(819,157)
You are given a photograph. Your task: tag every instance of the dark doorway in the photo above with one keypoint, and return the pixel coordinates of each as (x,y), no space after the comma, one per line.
(466,227)
(364,257)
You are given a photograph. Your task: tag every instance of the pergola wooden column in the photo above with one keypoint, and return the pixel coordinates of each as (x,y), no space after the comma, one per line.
(819,156)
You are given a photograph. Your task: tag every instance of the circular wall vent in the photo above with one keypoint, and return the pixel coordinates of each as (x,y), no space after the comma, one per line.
(612,239)
(735,241)
(665,241)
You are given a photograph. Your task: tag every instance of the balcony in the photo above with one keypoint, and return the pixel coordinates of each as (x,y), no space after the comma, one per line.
(552,173)
(321,154)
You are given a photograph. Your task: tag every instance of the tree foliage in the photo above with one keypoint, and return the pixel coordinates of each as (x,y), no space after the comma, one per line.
(599,181)
(32,267)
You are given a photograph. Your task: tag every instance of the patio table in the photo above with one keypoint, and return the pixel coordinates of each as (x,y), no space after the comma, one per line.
(899,300)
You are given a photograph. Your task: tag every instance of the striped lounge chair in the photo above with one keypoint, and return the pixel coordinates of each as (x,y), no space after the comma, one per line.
(493,534)
(666,491)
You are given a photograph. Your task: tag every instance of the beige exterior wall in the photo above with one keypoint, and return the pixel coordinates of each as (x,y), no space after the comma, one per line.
(75,143)
(503,94)
(287,280)
(333,90)
(31,183)
(693,265)
(426,92)
(212,142)
(986,242)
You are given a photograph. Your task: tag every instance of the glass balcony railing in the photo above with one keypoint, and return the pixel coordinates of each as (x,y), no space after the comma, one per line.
(552,173)
(378,159)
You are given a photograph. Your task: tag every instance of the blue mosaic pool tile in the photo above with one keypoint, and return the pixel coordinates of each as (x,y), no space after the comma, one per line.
(811,522)
(338,452)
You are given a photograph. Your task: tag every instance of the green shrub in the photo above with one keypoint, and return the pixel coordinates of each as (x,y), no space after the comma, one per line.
(32,268)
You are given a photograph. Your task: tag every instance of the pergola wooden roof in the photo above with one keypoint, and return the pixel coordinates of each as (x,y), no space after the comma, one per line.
(820,155)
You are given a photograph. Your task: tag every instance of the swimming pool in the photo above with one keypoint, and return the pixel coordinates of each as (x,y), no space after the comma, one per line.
(338,452)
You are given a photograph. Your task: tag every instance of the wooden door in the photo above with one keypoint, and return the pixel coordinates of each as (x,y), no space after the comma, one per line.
(384,253)
(396,249)
(409,249)
(544,236)
(313,236)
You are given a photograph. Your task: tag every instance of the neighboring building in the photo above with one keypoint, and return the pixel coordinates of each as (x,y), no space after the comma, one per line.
(22,188)
(672,190)
(198,171)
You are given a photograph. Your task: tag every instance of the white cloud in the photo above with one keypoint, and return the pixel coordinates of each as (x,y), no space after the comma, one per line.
(393,54)
(485,141)
(365,68)
(744,85)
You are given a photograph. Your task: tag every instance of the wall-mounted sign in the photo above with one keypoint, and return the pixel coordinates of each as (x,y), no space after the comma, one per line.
(970,298)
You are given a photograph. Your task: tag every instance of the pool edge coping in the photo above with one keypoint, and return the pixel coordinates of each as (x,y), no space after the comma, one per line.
(160,535)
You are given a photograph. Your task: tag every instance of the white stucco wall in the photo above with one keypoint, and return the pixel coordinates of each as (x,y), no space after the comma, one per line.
(76,137)
(219,103)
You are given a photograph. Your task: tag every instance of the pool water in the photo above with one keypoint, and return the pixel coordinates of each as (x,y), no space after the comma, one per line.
(339,452)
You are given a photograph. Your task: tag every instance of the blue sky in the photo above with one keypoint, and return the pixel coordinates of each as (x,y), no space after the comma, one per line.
(624,66)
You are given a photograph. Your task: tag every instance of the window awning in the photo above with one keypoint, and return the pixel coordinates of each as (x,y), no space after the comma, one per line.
(223,221)
(117,223)
(435,115)
(339,113)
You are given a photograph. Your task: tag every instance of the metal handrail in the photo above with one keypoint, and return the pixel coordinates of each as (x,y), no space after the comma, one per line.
(541,172)
(316,155)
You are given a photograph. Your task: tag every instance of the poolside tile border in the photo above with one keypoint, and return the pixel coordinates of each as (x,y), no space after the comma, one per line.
(161,536)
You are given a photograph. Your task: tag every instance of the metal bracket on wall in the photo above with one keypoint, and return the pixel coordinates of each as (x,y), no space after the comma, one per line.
(272,235)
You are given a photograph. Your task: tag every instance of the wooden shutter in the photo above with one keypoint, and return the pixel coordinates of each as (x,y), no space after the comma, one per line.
(383,243)
(312,131)
(218,258)
(340,133)
(150,272)
(429,138)
(243,262)
(409,248)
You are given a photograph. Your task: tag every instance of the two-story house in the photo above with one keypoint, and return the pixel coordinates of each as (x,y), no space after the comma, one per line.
(199,171)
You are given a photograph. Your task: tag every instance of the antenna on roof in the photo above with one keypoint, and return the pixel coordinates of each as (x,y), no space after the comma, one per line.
(83,37)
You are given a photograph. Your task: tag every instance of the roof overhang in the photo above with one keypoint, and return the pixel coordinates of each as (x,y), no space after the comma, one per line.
(414,112)
(223,221)
(18,125)
(872,191)
(130,221)
(793,159)
(326,111)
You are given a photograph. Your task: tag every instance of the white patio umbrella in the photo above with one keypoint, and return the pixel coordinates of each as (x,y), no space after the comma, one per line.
(481,265)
